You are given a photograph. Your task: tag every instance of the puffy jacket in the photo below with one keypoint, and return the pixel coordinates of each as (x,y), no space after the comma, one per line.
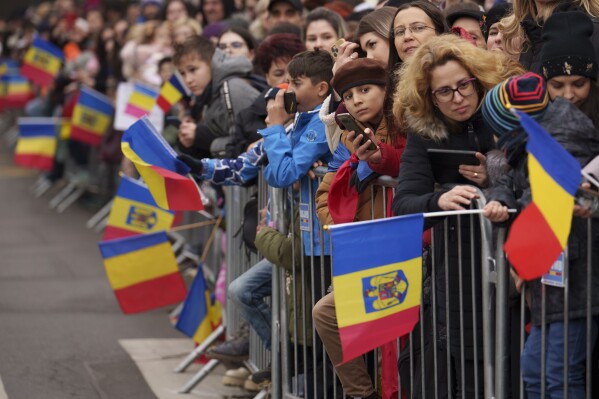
(389,165)
(247,123)
(575,132)
(290,157)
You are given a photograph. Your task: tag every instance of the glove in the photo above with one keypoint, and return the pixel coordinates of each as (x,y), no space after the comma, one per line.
(361,185)
(194,164)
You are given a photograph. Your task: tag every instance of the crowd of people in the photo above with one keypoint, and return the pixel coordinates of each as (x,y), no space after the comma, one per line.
(279,87)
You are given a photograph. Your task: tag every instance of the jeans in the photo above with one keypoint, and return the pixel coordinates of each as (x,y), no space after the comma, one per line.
(530,362)
(248,292)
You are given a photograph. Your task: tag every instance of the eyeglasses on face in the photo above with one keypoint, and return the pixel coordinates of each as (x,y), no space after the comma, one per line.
(445,94)
(415,28)
(233,45)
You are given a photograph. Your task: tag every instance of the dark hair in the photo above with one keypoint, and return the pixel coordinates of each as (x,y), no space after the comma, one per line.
(395,62)
(243,33)
(378,21)
(228,8)
(286,27)
(317,65)
(324,14)
(280,46)
(188,7)
(164,60)
(590,106)
(195,45)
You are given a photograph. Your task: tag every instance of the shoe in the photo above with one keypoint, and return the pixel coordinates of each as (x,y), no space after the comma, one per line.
(236,377)
(236,350)
(249,385)
(262,377)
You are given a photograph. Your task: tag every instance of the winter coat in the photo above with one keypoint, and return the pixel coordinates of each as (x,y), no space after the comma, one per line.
(247,123)
(290,157)
(416,193)
(531,58)
(389,165)
(575,132)
(277,247)
(327,116)
(236,72)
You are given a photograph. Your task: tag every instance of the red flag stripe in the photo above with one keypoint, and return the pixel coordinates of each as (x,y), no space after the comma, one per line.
(151,294)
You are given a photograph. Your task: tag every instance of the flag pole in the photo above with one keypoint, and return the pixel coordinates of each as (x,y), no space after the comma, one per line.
(195,225)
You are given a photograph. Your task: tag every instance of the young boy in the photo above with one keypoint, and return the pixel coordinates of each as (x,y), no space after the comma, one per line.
(220,90)
(291,154)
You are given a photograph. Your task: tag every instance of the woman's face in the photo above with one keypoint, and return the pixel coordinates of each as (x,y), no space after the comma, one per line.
(458,106)
(412,27)
(182,33)
(277,73)
(233,44)
(573,88)
(175,11)
(320,35)
(375,46)
(495,39)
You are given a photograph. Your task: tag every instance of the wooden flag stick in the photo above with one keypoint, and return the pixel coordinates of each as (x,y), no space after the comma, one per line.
(196,225)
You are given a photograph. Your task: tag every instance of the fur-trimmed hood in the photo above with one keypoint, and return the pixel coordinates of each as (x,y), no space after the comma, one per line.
(429,127)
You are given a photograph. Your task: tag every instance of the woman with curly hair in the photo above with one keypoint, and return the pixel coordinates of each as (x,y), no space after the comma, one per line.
(437,101)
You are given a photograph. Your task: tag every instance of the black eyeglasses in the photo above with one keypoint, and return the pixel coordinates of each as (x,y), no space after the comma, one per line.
(445,94)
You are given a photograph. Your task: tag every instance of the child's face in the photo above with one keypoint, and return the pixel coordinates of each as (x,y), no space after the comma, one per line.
(573,88)
(307,94)
(365,102)
(166,71)
(195,73)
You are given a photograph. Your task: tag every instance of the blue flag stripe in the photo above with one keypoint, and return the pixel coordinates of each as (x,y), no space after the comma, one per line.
(126,245)
(89,99)
(148,91)
(195,308)
(48,47)
(556,161)
(132,189)
(37,130)
(359,246)
(144,141)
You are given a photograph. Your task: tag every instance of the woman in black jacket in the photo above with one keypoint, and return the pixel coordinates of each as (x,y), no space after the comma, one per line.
(437,101)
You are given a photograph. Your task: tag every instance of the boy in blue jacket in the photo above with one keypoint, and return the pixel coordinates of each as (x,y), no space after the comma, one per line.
(291,154)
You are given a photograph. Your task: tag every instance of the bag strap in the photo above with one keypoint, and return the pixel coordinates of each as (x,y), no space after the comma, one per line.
(229,104)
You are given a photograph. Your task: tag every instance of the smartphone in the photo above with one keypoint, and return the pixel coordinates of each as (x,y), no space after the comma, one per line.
(173,121)
(350,124)
(290,102)
(445,163)
(335,47)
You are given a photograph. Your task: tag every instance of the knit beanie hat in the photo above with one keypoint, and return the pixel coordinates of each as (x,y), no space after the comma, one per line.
(567,47)
(526,93)
(361,71)
(498,12)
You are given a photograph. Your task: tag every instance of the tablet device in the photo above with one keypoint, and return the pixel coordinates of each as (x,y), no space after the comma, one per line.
(446,164)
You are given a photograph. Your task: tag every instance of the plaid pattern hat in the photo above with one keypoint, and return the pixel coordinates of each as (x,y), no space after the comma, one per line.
(526,93)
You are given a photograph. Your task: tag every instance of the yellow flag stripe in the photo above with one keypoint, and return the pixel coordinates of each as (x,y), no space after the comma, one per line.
(170,93)
(90,119)
(120,213)
(349,297)
(43,60)
(139,266)
(555,203)
(37,146)
(153,180)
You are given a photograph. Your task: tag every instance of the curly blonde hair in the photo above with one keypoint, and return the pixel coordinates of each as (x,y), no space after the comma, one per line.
(413,102)
(513,34)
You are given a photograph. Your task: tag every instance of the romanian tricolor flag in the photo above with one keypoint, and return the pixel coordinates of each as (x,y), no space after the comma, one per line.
(377,281)
(37,142)
(134,212)
(157,163)
(15,90)
(201,312)
(171,92)
(92,117)
(142,100)
(143,272)
(540,233)
(42,62)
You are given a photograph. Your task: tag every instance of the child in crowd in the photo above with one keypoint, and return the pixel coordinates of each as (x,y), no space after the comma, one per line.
(345,195)
(291,154)
(218,84)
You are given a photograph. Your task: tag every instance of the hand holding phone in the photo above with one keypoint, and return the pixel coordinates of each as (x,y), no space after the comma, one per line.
(351,124)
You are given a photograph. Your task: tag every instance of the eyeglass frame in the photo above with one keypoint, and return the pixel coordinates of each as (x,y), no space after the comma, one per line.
(410,28)
(471,81)
(236,45)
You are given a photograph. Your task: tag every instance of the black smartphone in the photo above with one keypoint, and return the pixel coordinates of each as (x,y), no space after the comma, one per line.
(290,102)
(350,124)
(173,121)
(445,163)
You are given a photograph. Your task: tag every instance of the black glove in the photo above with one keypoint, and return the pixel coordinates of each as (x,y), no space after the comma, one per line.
(361,185)
(194,164)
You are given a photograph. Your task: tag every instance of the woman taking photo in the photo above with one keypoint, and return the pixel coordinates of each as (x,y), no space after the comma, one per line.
(437,101)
